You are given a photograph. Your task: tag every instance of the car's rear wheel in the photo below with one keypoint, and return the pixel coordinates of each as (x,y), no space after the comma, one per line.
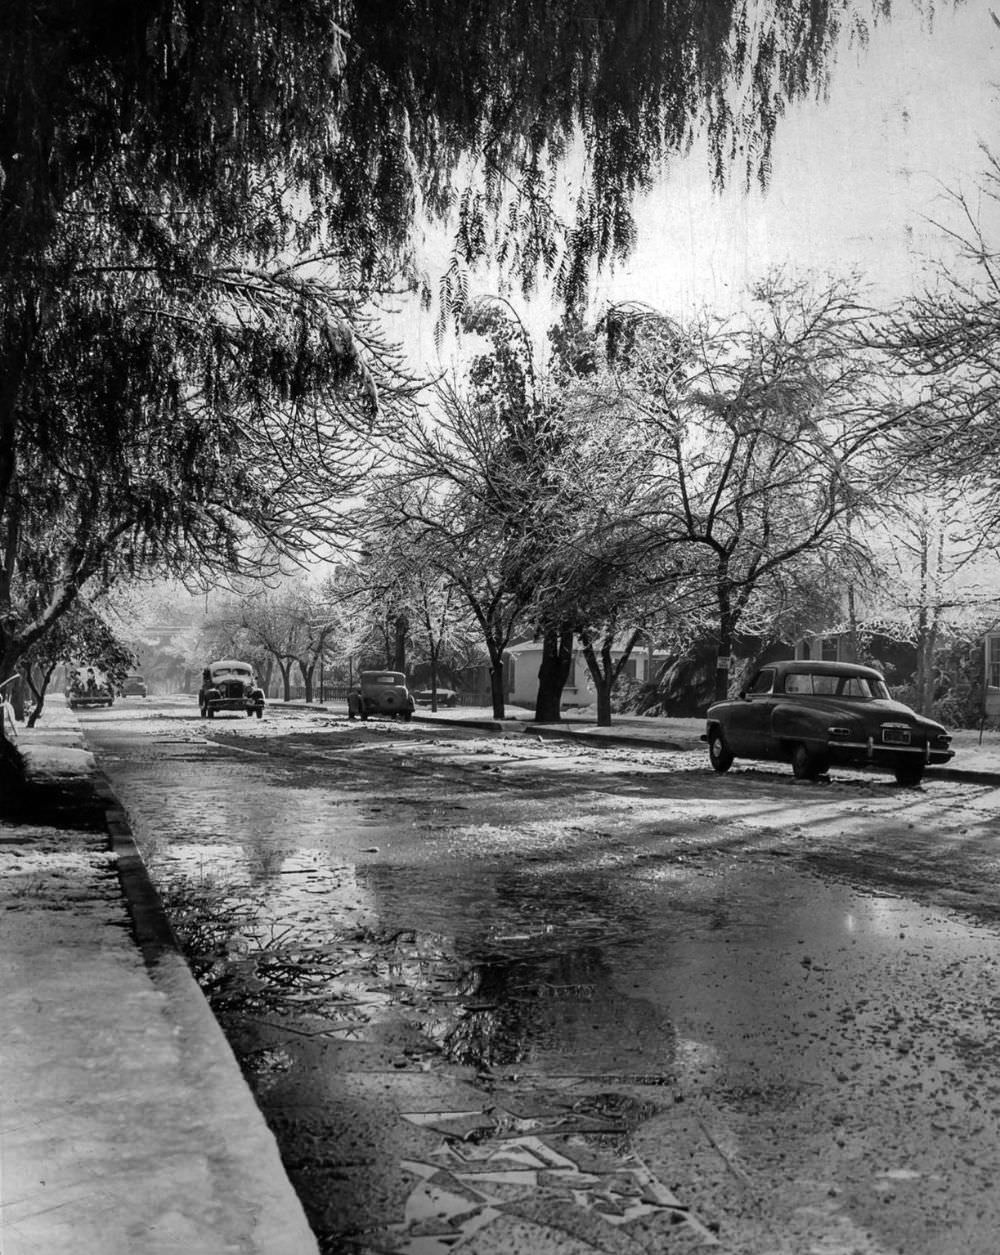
(405,715)
(210,712)
(719,753)
(260,712)
(806,765)
(909,774)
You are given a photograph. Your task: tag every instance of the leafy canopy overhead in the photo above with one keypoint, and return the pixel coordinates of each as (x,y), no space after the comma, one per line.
(220,126)
(174,378)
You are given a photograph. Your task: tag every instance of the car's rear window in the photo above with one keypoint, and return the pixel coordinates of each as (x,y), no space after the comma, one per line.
(386,678)
(826,685)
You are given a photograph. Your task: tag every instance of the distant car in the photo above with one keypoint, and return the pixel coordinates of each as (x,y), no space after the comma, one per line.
(85,693)
(815,715)
(133,686)
(445,697)
(230,685)
(380,693)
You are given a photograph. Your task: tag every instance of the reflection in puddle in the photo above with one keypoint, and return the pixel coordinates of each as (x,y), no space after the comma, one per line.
(548,970)
(555,1012)
(546,1009)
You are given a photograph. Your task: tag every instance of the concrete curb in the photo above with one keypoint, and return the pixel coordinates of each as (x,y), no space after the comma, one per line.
(281,1228)
(609,740)
(153,933)
(966,776)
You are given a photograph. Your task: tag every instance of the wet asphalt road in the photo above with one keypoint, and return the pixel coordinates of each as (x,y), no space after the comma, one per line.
(668,1009)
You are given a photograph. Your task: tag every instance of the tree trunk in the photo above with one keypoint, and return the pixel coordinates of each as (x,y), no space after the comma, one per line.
(557,658)
(432,649)
(727,633)
(38,688)
(722,661)
(307,678)
(605,672)
(496,689)
(852,626)
(400,629)
(286,679)
(497,695)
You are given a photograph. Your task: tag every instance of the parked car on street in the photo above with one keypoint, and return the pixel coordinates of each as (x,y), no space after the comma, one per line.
(815,715)
(445,697)
(133,686)
(230,685)
(380,693)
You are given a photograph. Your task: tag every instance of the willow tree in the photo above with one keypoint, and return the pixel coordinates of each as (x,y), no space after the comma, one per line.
(175,378)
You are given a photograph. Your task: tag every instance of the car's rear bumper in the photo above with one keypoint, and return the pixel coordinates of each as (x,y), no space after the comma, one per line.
(875,753)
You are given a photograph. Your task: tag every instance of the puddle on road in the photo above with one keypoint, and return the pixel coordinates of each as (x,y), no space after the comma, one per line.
(575,972)
(558,951)
(579,985)
(770,996)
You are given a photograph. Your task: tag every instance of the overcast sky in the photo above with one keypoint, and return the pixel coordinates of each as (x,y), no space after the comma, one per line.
(854,179)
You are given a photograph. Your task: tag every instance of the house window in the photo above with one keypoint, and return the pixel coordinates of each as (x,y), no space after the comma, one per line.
(630,668)
(993,661)
(829,649)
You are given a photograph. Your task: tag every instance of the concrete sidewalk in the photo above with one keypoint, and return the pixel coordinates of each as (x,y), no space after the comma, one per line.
(126,1127)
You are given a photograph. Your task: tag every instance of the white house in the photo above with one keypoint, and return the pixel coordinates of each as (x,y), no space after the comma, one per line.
(523,661)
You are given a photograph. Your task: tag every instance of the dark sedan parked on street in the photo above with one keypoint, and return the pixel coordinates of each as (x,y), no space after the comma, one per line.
(381,693)
(815,715)
(445,697)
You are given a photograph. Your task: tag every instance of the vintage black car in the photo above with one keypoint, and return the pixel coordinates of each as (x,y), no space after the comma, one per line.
(380,693)
(445,697)
(134,686)
(230,685)
(816,715)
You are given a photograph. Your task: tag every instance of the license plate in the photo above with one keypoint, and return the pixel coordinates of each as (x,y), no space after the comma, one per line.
(896,736)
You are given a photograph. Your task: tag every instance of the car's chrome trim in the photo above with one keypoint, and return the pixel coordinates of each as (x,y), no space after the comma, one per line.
(874,747)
